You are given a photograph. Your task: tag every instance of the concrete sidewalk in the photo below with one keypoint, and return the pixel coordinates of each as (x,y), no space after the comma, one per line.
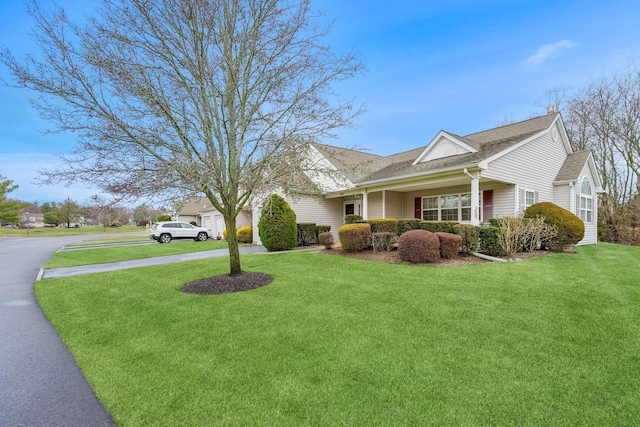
(145,262)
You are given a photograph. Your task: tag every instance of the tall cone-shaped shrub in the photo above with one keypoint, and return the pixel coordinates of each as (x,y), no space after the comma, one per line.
(277,226)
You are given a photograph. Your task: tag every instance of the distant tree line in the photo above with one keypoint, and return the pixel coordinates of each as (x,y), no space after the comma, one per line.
(69,213)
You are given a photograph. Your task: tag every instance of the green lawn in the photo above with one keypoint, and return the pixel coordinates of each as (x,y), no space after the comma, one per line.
(336,341)
(83,254)
(51,231)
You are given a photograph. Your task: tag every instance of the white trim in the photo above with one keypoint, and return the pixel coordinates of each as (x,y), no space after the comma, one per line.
(357,207)
(435,142)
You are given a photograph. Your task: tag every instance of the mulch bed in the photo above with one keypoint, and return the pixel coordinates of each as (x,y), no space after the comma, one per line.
(393,257)
(225,284)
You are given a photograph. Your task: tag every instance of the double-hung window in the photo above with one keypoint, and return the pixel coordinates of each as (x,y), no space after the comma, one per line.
(529,198)
(430,208)
(452,207)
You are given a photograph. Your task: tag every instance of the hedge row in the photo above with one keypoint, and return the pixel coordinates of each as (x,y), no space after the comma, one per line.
(485,238)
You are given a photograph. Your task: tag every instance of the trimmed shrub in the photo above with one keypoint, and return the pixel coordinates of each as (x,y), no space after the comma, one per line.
(306,233)
(352,219)
(224,234)
(489,240)
(408,224)
(469,234)
(419,246)
(277,225)
(383,225)
(322,229)
(355,237)
(195,224)
(450,244)
(326,239)
(245,234)
(163,218)
(438,226)
(383,241)
(569,227)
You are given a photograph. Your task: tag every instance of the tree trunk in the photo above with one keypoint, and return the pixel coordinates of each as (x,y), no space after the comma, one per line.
(234,252)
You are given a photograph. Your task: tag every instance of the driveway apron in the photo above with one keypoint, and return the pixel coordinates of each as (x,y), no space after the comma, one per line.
(40,382)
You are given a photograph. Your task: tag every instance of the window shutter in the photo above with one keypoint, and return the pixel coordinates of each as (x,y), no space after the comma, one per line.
(521,200)
(417,207)
(535,197)
(487,205)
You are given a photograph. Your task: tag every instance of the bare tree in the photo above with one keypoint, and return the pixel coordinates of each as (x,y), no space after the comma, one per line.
(604,117)
(175,97)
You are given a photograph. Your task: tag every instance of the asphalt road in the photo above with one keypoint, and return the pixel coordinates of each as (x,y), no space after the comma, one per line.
(40,382)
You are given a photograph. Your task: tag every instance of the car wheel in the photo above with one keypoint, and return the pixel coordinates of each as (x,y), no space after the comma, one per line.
(202,236)
(164,238)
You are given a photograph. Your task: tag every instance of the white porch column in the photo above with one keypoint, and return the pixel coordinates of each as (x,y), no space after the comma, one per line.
(365,205)
(475,196)
(384,203)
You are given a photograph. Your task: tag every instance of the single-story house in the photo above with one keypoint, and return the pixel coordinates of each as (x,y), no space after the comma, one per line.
(469,179)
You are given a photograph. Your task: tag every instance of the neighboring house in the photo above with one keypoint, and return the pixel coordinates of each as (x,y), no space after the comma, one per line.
(469,179)
(34,220)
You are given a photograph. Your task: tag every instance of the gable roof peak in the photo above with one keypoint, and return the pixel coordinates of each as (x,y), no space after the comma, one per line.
(528,126)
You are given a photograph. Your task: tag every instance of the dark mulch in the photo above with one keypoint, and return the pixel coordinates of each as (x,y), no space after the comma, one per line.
(225,283)
(393,257)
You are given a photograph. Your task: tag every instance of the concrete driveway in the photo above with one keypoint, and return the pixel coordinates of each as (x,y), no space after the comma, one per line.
(40,382)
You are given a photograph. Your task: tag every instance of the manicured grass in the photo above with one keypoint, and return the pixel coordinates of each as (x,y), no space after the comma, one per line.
(84,256)
(337,341)
(51,231)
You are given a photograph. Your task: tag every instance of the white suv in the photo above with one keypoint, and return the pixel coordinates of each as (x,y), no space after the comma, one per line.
(164,232)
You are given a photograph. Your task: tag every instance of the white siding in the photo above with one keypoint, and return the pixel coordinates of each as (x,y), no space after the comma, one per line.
(562,196)
(393,201)
(533,166)
(375,205)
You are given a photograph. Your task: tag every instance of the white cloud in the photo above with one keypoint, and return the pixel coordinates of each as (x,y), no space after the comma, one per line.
(547,51)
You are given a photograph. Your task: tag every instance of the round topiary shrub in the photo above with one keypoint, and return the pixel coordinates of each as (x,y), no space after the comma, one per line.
(326,239)
(419,246)
(355,237)
(245,234)
(277,226)
(570,228)
(164,218)
(450,244)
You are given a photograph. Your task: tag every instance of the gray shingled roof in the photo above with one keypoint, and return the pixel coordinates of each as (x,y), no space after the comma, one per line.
(488,143)
(570,170)
(353,163)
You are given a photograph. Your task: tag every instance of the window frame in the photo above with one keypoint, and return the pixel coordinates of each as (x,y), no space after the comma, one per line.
(461,210)
(585,209)
(532,193)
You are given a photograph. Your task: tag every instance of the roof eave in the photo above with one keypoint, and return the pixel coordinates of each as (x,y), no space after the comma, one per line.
(417,174)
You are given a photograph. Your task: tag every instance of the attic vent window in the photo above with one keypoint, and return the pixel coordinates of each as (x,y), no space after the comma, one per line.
(443,149)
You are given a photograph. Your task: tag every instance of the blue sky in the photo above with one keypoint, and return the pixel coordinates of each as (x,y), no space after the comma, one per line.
(462,66)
